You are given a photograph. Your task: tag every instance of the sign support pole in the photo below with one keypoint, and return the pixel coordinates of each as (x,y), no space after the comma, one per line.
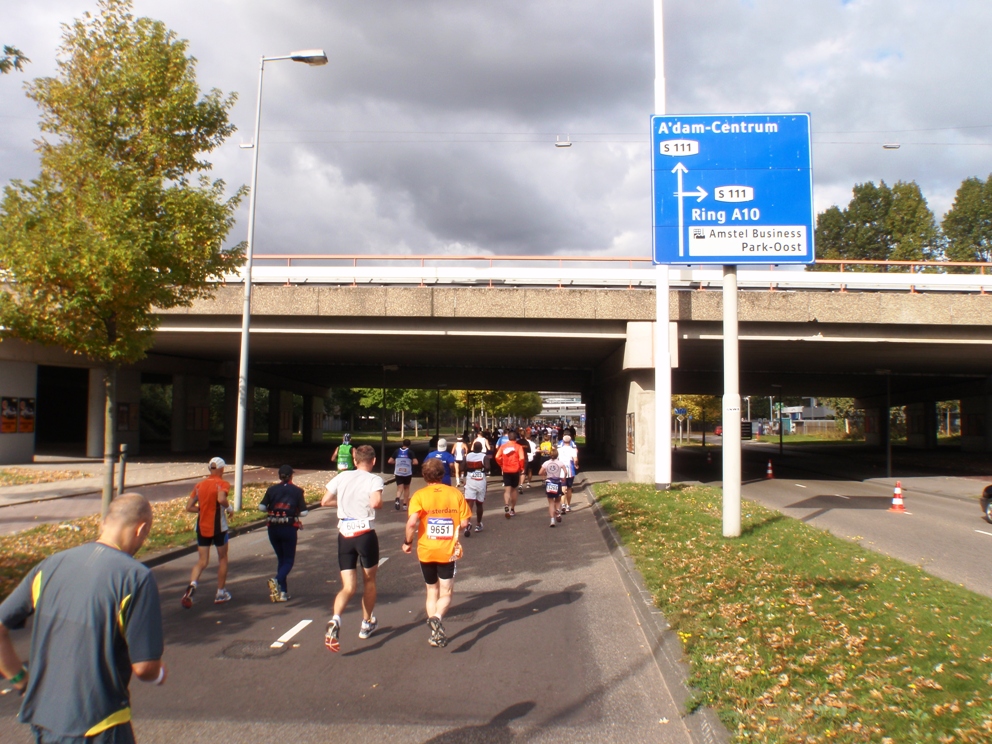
(731,408)
(662,339)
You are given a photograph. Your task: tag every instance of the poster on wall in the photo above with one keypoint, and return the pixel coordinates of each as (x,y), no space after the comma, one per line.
(8,415)
(25,416)
(123,416)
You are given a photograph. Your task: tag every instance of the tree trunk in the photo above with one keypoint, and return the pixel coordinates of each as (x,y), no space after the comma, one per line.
(402,425)
(109,435)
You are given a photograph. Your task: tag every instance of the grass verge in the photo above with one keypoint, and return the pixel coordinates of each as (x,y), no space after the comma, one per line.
(795,635)
(173,528)
(26,476)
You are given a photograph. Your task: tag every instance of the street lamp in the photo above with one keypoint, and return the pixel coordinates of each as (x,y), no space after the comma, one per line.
(313,57)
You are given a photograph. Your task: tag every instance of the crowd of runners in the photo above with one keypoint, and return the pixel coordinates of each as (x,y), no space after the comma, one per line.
(456,478)
(77,686)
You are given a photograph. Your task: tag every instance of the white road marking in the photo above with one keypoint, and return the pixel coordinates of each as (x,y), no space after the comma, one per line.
(983,532)
(799,484)
(383,560)
(843,497)
(285,637)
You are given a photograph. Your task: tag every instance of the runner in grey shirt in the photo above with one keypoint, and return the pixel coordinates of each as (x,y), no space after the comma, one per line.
(96,621)
(356,494)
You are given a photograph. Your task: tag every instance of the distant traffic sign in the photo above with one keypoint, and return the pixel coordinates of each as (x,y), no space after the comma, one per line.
(732,189)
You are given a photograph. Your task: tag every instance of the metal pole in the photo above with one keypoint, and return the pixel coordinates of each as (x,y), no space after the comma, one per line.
(662,339)
(382,449)
(781,430)
(731,408)
(120,473)
(239,447)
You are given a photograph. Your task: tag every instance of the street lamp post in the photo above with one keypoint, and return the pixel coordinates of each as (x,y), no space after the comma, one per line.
(313,57)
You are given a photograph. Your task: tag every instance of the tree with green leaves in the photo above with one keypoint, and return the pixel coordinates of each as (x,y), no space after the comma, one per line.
(12,59)
(122,218)
(881,223)
(968,224)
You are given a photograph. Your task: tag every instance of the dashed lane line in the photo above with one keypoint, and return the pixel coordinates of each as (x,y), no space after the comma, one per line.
(288,635)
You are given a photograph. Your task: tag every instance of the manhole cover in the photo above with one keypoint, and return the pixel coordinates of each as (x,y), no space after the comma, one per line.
(251,650)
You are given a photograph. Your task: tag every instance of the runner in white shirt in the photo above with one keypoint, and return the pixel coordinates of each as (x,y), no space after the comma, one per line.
(568,456)
(553,472)
(356,494)
(475,484)
(530,449)
(459,450)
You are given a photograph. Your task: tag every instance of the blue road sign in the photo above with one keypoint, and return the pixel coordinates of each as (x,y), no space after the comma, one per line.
(732,189)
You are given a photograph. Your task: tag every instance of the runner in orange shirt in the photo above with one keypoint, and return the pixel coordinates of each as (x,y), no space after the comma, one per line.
(209,502)
(437,514)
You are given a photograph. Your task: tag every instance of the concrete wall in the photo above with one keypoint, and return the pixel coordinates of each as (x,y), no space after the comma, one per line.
(190,413)
(280,416)
(128,412)
(921,425)
(976,418)
(18,380)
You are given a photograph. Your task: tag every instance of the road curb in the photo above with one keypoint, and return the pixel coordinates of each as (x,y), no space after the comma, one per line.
(703,724)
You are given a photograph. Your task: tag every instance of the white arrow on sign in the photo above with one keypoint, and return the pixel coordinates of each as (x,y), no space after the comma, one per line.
(700,193)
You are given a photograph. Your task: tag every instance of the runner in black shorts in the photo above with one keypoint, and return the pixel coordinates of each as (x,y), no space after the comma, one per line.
(357,494)
(363,547)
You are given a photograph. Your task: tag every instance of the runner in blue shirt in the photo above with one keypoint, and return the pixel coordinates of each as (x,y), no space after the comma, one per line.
(442,454)
(403,463)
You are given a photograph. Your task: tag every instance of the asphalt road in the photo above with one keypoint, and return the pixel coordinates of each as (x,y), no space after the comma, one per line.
(545,646)
(943,529)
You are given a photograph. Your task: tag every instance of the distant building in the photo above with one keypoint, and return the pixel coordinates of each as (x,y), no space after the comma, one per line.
(567,407)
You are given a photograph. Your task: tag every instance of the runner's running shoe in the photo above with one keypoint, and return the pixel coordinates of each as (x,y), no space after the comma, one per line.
(478,527)
(552,523)
(368,628)
(437,639)
(513,512)
(274,590)
(331,636)
(222,596)
(506,512)
(283,597)
(468,531)
(187,600)
(397,504)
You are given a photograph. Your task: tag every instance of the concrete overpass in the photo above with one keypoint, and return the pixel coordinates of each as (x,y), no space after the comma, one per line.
(586,328)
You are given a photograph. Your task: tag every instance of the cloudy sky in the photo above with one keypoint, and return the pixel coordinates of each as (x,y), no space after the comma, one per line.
(432,129)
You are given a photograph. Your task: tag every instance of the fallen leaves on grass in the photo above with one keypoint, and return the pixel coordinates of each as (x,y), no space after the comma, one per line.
(794,635)
(29,476)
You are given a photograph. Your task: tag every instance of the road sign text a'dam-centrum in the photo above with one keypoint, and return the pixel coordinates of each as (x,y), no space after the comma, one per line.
(732,189)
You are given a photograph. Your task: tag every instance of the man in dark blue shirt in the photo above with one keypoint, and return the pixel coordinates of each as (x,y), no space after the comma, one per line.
(442,454)
(97,620)
(285,503)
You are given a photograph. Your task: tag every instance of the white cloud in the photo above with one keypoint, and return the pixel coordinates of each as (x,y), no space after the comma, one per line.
(432,128)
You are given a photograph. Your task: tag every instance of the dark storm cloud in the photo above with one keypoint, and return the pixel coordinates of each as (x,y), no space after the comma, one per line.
(431,130)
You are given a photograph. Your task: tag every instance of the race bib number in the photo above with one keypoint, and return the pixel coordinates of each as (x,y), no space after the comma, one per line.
(440,528)
(351,527)
(403,466)
(552,487)
(477,475)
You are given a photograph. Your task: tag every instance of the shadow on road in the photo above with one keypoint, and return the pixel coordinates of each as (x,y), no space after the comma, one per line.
(831,502)
(496,731)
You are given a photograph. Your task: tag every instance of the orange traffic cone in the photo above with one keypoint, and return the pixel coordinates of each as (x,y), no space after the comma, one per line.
(768,470)
(709,458)
(897,504)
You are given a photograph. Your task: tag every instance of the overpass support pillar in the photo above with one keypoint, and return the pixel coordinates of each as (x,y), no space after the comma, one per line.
(128,413)
(921,425)
(976,422)
(876,427)
(280,416)
(19,381)
(313,419)
(231,415)
(621,409)
(190,413)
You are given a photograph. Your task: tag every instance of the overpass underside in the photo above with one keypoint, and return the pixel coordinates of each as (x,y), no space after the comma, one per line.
(903,348)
